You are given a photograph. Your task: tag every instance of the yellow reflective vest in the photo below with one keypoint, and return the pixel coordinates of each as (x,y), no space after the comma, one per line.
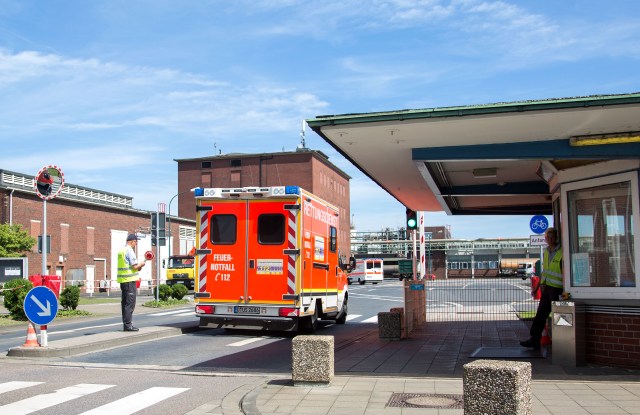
(552,269)
(126,273)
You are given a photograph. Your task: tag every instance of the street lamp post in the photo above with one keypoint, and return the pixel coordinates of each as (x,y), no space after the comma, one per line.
(169,218)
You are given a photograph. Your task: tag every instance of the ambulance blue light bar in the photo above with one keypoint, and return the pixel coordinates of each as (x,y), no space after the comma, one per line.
(292,190)
(198,191)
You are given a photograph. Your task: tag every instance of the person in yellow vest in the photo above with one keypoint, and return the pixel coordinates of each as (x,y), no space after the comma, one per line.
(551,286)
(128,269)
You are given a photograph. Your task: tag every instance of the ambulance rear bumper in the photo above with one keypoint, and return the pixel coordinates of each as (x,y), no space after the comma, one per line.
(249,322)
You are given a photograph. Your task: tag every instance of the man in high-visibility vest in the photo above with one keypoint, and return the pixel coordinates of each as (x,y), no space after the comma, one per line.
(128,269)
(551,286)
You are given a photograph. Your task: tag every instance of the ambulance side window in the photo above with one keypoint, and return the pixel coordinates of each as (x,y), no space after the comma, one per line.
(223,229)
(271,229)
(333,239)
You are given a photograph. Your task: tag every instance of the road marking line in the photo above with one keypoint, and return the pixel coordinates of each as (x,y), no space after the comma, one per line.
(352,316)
(15,385)
(373,319)
(136,402)
(46,400)
(245,342)
(166,313)
(84,328)
(186,313)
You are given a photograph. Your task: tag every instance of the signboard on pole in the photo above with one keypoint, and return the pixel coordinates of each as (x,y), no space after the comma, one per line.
(537,240)
(539,224)
(41,305)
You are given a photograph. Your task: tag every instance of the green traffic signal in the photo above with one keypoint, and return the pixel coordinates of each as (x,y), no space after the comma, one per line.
(412,219)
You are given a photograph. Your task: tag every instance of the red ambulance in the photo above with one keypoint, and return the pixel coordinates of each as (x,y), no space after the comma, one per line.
(267,258)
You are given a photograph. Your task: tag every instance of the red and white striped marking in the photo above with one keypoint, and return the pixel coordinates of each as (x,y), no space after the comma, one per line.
(203,230)
(291,244)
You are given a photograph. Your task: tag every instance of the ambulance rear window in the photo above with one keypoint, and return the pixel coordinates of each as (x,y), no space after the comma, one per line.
(223,229)
(271,229)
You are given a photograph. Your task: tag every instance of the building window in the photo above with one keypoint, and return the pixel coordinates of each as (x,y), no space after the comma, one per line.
(235,178)
(91,240)
(205,179)
(205,165)
(64,238)
(601,243)
(34,231)
(235,162)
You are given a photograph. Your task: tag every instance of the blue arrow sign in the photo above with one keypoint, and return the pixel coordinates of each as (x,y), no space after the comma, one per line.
(539,224)
(41,305)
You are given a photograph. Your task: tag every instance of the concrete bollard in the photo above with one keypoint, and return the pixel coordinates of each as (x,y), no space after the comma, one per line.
(403,333)
(389,325)
(312,360)
(497,387)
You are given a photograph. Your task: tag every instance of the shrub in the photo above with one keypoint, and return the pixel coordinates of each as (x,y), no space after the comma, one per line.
(179,291)
(15,292)
(165,292)
(69,297)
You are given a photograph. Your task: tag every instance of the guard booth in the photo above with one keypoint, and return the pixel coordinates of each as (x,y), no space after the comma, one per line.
(576,159)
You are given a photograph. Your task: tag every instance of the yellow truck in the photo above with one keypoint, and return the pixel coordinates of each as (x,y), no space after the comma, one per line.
(180,270)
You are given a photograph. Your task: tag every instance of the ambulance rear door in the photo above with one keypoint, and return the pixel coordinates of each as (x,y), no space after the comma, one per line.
(271,231)
(226,237)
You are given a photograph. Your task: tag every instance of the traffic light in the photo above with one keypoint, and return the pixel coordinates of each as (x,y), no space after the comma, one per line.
(158,223)
(412,219)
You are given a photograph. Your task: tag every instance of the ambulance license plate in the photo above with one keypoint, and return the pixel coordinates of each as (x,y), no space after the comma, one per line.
(246,310)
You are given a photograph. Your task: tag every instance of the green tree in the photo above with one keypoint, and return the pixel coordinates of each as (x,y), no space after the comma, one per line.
(14,242)
(15,292)
(70,297)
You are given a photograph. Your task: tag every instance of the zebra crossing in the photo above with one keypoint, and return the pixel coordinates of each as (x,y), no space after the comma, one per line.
(124,406)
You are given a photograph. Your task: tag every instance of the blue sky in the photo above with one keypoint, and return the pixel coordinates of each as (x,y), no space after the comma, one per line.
(113,91)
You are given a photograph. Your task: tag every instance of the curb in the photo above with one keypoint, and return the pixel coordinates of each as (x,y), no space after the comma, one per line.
(94,342)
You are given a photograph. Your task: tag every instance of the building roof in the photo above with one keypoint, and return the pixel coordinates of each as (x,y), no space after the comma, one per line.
(314,153)
(484,159)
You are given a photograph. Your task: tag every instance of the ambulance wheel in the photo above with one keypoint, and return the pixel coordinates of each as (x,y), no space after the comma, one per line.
(361,282)
(310,323)
(342,315)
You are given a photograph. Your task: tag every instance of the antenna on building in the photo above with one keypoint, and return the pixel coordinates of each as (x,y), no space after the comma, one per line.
(303,144)
(215,147)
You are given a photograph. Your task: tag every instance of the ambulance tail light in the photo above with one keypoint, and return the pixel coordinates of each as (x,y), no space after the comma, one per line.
(288,312)
(205,309)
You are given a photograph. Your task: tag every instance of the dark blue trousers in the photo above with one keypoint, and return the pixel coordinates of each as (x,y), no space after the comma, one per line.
(128,303)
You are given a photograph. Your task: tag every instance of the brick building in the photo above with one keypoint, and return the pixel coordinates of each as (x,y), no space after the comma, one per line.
(87,227)
(309,169)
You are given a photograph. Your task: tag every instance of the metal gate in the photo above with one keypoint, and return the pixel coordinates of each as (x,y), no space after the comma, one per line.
(479,299)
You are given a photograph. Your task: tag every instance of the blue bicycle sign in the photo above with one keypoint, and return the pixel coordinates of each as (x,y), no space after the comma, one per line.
(538,224)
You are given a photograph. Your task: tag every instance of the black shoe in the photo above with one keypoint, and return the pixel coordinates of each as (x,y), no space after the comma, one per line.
(531,343)
(131,329)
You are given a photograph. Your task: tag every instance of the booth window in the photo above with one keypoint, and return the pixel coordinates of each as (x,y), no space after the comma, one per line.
(601,237)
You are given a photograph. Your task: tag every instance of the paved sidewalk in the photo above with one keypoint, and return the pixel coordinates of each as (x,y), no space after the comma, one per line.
(421,374)
(375,395)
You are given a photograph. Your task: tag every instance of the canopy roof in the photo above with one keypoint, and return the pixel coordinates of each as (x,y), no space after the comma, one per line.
(484,159)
